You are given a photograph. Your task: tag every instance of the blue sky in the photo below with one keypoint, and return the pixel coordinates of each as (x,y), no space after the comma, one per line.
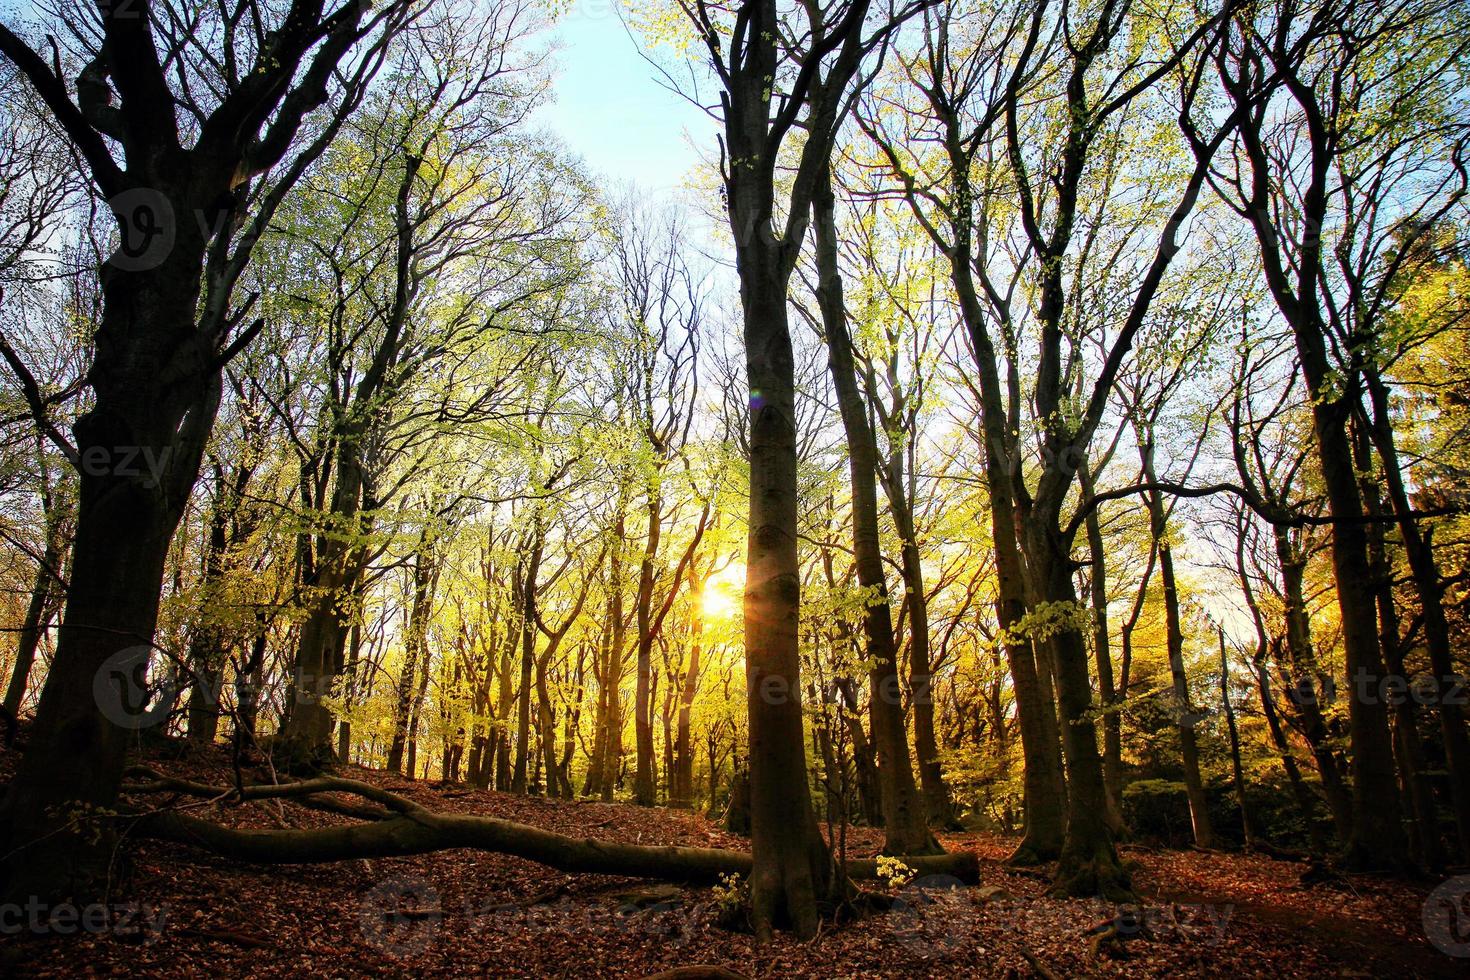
(611,109)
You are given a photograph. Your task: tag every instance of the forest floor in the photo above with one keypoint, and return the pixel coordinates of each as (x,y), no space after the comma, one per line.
(182,912)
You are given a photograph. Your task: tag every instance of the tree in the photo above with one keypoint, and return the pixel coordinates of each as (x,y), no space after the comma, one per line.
(1335,103)
(776,70)
(661,309)
(904,818)
(452,235)
(1038,107)
(1271,450)
(196,185)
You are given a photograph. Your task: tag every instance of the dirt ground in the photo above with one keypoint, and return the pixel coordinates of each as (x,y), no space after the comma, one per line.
(181,912)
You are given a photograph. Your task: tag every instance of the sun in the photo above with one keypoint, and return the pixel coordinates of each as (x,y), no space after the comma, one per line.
(718,604)
(723,593)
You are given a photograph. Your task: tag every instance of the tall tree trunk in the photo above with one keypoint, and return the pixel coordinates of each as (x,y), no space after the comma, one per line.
(937,803)
(249,680)
(643,781)
(792,868)
(1377,837)
(1424,837)
(546,728)
(1247,824)
(1194,787)
(1097,579)
(321,647)
(683,792)
(667,713)
(46,589)
(415,653)
(1045,790)
(601,672)
(1088,864)
(905,815)
(529,573)
(1424,572)
(505,700)
(140,445)
(350,688)
(869,786)
(411,761)
(1306,693)
(207,646)
(338,567)
(1299,789)
(612,764)
(573,722)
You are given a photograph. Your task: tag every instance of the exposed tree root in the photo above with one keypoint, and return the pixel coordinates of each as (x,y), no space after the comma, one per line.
(403,828)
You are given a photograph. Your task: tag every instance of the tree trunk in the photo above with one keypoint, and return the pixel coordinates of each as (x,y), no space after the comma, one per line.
(333,592)
(1306,694)
(643,780)
(140,447)
(870,792)
(601,673)
(1424,571)
(546,728)
(415,653)
(1377,839)
(1424,836)
(249,681)
(683,770)
(573,722)
(500,733)
(46,588)
(737,811)
(1097,579)
(1247,825)
(666,717)
(338,568)
(207,646)
(411,762)
(940,809)
(1045,790)
(791,870)
(529,573)
(1194,787)
(905,816)
(612,763)
(1088,864)
(350,688)
(1299,788)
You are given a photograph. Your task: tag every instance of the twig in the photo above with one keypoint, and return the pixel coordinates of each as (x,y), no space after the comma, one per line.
(1041,968)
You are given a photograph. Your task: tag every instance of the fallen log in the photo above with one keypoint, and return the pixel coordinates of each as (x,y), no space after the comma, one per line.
(413,829)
